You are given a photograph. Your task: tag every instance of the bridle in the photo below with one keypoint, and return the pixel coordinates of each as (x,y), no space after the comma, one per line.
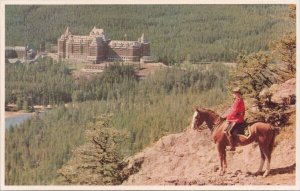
(213,127)
(202,127)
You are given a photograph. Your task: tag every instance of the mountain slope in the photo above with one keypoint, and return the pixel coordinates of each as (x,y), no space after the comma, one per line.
(190,158)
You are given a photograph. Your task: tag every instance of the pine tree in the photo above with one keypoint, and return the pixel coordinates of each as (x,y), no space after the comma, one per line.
(98,161)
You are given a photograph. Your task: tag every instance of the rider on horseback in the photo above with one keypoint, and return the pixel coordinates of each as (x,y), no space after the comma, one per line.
(235,116)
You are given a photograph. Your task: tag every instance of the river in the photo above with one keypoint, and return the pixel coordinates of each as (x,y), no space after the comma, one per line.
(17,119)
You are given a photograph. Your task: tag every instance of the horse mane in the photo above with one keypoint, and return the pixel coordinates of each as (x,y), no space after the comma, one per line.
(208,110)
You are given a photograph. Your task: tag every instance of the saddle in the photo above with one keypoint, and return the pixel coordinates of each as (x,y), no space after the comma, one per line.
(242,129)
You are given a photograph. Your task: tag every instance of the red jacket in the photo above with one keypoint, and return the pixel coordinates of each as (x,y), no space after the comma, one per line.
(237,111)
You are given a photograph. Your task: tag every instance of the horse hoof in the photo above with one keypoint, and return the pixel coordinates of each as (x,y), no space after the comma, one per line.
(221,173)
(266,174)
(258,173)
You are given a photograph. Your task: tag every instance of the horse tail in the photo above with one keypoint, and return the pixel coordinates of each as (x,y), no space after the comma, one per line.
(275,131)
(271,145)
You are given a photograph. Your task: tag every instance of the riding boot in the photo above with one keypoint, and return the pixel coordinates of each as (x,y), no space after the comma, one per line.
(231,143)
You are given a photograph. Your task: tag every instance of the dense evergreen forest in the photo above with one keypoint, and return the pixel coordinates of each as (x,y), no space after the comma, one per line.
(145,110)
(47,82)
(41,83)
(177,32)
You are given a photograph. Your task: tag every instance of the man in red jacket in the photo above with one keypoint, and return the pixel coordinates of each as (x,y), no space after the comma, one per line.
(235,116)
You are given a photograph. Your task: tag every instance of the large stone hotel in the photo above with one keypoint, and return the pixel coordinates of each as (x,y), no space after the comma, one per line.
(97,48)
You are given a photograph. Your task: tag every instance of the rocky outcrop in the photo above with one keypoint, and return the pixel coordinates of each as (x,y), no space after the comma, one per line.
(282,93)
(276,103)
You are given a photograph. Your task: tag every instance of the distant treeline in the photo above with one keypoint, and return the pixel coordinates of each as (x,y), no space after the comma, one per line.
(177,33)
(47,82)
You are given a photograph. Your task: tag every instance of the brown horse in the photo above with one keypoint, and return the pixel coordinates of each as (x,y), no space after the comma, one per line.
(263,133)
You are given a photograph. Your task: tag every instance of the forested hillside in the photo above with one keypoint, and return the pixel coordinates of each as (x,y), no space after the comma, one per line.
(177,32)
(145,110)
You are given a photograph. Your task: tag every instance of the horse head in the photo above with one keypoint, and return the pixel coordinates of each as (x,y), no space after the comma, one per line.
(202,115)
(198,119)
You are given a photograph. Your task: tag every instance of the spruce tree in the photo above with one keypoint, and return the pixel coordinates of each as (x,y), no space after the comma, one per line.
(98,161)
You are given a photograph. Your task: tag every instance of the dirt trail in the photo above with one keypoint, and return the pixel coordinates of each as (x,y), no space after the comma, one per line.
(190,158)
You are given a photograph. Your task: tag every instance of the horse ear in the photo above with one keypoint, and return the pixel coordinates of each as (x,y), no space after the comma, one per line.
(196,108)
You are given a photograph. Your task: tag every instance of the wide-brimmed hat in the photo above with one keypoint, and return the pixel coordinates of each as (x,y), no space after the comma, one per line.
(237,90)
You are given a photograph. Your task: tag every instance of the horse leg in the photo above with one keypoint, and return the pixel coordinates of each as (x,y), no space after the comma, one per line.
(262,162)
(267,149)
(221,151)
(221,172)
(268,157)
(225,162)
(268,152)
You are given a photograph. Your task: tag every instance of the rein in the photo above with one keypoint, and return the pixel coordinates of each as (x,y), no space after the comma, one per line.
(215,126)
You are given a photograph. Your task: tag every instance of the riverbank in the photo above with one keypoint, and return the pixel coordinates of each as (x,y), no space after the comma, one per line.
(16,118)
(9,114)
